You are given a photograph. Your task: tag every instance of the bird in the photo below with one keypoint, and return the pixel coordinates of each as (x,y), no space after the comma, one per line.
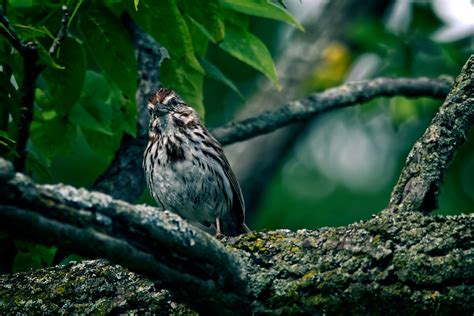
(186,170)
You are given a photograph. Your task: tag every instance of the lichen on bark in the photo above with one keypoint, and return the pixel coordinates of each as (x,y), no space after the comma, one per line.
(403,263)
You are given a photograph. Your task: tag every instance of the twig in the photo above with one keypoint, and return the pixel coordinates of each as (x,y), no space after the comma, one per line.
(63,31)
(346,95)
(31,70)
(9,33)
(420,180)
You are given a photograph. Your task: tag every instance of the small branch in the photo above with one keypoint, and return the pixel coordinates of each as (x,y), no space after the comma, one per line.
(346,95)
(9,33)
(420,180)
(63,31)
(124,178)
(145,239)
(31,70)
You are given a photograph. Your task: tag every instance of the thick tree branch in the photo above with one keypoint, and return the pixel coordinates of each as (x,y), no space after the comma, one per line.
(124,178)
(421,178)
(331,99)
(31,70)
(145,239)
(405,263)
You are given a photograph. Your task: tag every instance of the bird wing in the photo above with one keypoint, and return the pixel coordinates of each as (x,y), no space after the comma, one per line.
(238,205)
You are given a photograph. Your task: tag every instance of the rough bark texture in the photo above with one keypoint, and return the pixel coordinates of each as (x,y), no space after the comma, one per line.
(88,287)
(155,243)
(402,263)
(420,181)
(349,94)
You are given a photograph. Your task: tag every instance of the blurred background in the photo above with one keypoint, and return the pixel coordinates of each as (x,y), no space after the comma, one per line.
(341,166)
(333,170)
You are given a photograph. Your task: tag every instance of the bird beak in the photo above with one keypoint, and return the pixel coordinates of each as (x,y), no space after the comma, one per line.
(161,111)
(157,109)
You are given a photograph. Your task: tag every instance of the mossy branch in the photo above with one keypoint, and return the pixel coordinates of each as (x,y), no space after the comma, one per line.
(404,263)
(147,240)
(420,180)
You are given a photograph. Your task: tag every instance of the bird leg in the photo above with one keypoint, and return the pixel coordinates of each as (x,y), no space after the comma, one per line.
(219,233)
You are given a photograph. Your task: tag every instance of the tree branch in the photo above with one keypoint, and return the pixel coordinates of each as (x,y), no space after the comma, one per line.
(145,239)
(296,65)
(31,70)
(9,33)
(346,95)
(124,179)
(62,33)
(420,180)
(403,262)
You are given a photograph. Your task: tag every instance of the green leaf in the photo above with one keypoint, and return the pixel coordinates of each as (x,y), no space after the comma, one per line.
(53,136)
(135,2)
(247,48)
(200,36)
(84,119)
(32,256)
(108,42)
(7,145)
(101,114)
(262,8)
(26,32)
(186,81)
(38,164)
(6,138)
(215,73)
(208,15)
(46,58)
(236,18)
(23,4)
(65,85)
(163,20)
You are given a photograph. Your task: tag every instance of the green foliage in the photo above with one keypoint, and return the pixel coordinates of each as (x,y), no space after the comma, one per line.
(262,8)
(215,73)
(32,256)
(66,92)
(112,49)
(89,84)
(85,96)
(246,47)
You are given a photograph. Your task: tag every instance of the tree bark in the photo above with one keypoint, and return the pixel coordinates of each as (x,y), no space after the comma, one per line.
(394,263)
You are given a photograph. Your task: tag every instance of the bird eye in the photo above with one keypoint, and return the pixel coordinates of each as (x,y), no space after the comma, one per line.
(174,102)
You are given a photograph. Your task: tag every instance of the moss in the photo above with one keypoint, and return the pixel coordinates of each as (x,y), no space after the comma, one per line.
(407,262)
